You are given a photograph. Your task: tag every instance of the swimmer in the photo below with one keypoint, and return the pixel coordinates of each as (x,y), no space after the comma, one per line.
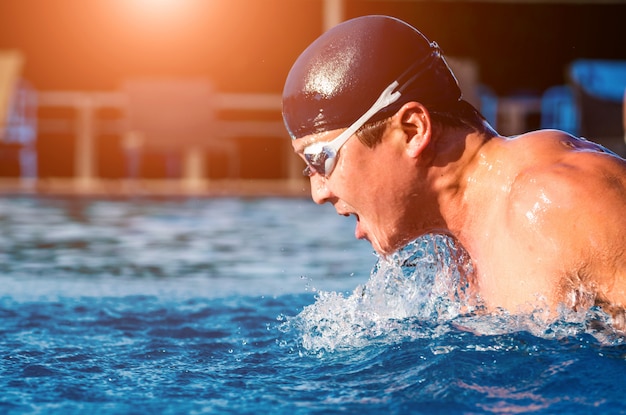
(378,117)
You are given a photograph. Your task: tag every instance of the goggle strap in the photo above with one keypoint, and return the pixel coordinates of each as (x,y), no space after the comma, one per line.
(385,99)
(419,67)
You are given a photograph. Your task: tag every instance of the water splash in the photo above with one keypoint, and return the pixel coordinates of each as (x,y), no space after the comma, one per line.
(425,291)
(407,294)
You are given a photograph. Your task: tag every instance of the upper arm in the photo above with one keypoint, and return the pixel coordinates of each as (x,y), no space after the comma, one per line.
(571,203)
(572,217)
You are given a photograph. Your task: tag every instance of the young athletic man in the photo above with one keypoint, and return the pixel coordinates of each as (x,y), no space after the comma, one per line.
(378,117)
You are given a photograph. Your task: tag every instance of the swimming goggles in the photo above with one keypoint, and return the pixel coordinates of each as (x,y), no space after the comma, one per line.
(321,157)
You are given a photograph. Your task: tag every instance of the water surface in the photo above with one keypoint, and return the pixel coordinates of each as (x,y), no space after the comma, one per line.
(266,306)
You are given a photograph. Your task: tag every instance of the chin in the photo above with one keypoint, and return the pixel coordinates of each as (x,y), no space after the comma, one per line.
(380,249)
(388,248)
(386,245)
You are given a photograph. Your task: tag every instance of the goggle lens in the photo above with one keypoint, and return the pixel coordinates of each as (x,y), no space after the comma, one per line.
(321,161)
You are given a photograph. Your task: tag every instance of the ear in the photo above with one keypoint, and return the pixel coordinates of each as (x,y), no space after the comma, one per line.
(417,126)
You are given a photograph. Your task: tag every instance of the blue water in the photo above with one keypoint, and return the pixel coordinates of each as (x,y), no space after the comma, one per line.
(239,306)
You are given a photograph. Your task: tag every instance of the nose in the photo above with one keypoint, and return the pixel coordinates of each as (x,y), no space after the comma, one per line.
(319,189)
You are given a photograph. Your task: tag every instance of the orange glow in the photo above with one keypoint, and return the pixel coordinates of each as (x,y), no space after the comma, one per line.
(241,45)
(157,12)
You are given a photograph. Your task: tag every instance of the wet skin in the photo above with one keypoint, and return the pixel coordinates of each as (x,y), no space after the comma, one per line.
(542,215)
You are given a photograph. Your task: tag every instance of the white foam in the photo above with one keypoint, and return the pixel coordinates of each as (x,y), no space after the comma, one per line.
(423,292)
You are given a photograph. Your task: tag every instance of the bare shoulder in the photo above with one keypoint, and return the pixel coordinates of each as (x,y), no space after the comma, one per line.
(569,198)
(571,173)
(557,209)
(551,143)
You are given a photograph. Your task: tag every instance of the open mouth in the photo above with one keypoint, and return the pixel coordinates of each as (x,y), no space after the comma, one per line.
(349,214)
(358,231)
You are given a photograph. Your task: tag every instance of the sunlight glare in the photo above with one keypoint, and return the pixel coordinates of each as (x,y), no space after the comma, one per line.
(158,9)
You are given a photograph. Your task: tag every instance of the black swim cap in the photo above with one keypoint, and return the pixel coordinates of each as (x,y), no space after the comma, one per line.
(340,75)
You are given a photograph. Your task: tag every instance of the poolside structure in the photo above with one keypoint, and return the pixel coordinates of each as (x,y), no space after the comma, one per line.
(599,87)
(18,114)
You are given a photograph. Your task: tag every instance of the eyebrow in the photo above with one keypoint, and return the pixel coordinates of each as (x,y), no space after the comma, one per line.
(302,145)
(299,147)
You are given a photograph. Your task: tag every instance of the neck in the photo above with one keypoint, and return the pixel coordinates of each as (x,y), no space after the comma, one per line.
(451,176)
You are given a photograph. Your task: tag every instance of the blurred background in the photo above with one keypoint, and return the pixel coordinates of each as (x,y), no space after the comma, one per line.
(122,95)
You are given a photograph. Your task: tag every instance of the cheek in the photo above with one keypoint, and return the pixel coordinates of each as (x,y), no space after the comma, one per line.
(377,193)
(369,177)
(381,175)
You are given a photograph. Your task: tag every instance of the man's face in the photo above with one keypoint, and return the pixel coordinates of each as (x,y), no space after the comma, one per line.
(371,184)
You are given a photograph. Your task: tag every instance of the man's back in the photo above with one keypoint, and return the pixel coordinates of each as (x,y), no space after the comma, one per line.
(552,223)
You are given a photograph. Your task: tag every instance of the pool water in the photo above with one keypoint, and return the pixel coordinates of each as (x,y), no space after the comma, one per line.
(268,305)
